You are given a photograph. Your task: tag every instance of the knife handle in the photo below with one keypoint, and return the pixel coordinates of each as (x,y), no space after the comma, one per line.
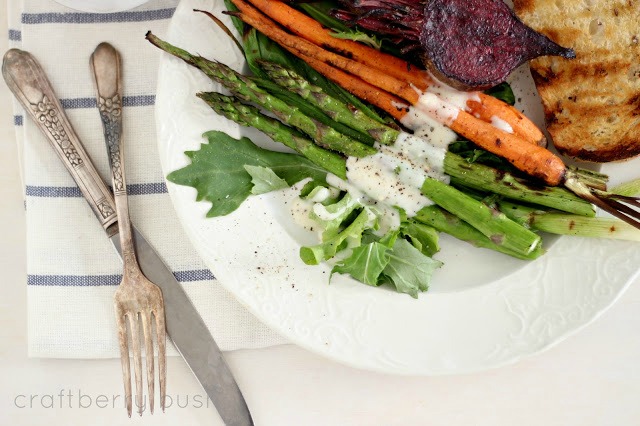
(29,83)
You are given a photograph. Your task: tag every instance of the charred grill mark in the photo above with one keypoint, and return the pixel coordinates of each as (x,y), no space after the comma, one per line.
(635,102)
(587,70)
(341,52)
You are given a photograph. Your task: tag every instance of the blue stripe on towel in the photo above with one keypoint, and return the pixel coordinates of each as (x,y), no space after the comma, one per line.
(147,188)
(74,191)
(15,35)
(17,120)
(73,280)
(128,101)
(94,18)
(195,275)
(52,191)
(102,280)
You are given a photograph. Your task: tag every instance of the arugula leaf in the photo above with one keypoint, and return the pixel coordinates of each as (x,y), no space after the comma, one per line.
(390,238)
(258,47)
(365,38)
(473,154)
(315,191)
(423,237)
(217,170)
(365,263)
(408,269)
(320,11)
(503,92)
(333,215)
(264,180)
(350,236)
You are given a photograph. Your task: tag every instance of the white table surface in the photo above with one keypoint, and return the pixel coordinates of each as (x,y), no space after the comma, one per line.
(592,378)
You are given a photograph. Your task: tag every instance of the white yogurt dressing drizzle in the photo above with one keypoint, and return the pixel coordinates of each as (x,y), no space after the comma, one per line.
(388,217)
(301,209)
(448,94)
(394,175)
(500,124)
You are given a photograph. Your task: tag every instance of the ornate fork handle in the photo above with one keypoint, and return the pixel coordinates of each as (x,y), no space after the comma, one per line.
(110,112)
(29,84)
(105,64)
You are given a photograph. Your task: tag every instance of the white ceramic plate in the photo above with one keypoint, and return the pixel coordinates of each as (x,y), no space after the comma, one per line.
(483,310)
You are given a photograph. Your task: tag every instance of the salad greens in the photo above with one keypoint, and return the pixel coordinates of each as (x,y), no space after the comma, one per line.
(390,260)
(264,180)
(218,171)
(486,204)
(225,171)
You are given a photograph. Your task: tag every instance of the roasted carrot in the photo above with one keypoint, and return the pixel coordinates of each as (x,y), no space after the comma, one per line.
(310,29)
(373,76)
(490,107)
(532,159)
(527,157)
(392,105)
(486,107)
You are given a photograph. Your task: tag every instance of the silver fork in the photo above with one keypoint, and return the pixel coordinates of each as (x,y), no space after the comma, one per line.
(136,299)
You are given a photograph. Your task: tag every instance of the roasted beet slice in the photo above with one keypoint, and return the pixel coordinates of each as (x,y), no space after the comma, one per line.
(476,44)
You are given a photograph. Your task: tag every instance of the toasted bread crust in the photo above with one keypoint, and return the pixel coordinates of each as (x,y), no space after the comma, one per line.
(592,103)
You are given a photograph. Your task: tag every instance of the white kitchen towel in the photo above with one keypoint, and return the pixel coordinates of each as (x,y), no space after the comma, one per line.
(72,268)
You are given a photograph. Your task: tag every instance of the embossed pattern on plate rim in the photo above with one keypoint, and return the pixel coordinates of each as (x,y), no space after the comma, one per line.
(485,327)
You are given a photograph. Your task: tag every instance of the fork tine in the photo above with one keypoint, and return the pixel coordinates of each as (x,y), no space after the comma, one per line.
(622,198)
(620,211)
(124,357)
(615,203)
(162,353)
(137,358)
(631,200)
(608,202)
(148,350)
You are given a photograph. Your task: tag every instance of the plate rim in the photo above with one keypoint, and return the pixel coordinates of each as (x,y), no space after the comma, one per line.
(176,198)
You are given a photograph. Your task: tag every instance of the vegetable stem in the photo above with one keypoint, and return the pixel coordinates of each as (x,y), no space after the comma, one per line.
(490,222)
(485,178)
(247,90)
(250,116)
(448,223)
(566,224)
(333,107)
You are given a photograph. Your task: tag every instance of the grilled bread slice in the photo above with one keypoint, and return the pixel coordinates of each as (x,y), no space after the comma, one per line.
(592,103)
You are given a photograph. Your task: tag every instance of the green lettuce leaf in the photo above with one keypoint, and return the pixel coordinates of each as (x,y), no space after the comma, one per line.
(365,263)
(367,39)
(336,214)
(351,236)
(217,170)
(264,180)
(503,92)
(408,269)
(423,237)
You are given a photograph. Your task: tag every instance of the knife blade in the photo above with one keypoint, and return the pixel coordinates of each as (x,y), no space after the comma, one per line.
(186,329)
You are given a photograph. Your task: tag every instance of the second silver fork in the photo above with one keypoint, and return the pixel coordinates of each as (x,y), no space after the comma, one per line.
(137,299)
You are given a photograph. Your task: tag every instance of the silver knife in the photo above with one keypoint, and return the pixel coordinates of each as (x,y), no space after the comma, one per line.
(185,327)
